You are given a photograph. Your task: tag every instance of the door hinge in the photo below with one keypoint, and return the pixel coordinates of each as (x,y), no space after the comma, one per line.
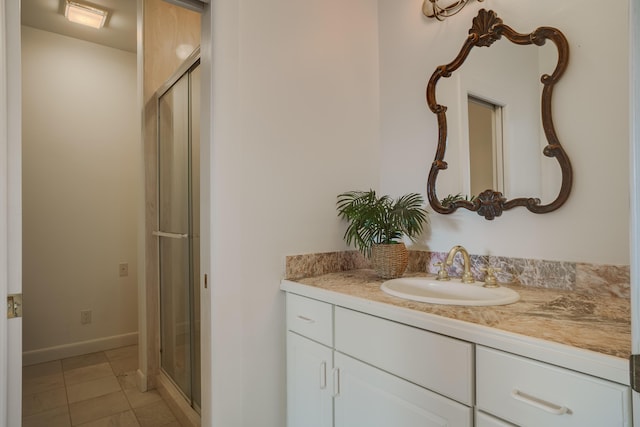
(14,306)
(634,370)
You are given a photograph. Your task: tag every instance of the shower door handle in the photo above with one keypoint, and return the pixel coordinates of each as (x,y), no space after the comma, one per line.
(170,235)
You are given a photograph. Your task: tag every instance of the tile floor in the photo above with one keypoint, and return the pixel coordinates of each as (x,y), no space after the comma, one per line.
(92,390)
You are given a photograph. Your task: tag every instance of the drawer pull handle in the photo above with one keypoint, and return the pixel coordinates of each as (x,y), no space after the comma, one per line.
(549,407)
(336,382)
(306,319)
(323,375)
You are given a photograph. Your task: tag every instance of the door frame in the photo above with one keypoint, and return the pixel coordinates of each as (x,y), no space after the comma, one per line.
(149,374)
(634,176)
(10,211)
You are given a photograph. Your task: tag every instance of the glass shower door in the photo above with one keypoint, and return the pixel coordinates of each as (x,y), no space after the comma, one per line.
(179,243)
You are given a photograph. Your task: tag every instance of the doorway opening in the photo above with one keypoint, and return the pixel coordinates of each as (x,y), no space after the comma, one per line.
(486,169)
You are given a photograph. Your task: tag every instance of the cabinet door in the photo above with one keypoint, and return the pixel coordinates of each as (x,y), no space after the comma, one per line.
(366,396)
(309,385)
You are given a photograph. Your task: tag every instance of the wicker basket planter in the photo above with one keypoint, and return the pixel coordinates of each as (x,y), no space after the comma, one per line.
(389,260)
(377,225)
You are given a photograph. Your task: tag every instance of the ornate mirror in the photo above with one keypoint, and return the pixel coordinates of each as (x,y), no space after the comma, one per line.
(488,163)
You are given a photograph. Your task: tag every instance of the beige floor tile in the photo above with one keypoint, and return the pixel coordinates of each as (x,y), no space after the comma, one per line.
(42,369)
(40,402)
(98,407)
(154,415)
(122,419)
(84,360)
(93,388)
(128,380)
(138,399)
(41,384)
(120,366)
(58,417)
(89,381)
(122,353)
(87,373)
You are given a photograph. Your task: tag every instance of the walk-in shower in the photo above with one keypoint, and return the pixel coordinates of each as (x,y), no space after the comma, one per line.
(179,231)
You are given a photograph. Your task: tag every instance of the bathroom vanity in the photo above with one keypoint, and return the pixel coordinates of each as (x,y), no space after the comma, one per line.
(359,357)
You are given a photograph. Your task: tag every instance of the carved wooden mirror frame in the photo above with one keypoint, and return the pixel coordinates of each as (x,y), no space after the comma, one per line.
(486,29)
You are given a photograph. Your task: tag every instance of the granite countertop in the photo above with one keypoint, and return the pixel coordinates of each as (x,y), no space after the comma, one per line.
(597,323)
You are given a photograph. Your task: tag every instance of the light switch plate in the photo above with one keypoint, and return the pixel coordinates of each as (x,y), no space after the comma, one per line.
(123,268)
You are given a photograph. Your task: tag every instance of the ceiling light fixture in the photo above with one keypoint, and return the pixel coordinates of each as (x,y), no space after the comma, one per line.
(432,9)
(85,15)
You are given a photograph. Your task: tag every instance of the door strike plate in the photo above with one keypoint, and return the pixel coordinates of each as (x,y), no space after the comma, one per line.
(14,306)
(634,369)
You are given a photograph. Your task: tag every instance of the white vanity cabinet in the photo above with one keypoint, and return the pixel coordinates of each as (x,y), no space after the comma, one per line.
(349,368)
(369,378)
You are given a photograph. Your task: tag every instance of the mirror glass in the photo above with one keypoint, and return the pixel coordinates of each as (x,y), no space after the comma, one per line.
(493,126)
(501,135)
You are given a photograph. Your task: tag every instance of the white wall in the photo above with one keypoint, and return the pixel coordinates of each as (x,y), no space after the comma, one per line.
(590,112)
(294,123)
(81,153)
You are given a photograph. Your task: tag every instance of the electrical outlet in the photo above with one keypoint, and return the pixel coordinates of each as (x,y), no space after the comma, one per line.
(123,268)
(85,317)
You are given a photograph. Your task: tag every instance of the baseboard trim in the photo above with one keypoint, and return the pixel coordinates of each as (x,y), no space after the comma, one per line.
(77,348)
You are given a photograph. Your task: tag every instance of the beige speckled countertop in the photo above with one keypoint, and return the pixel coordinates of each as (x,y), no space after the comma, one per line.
(597,323)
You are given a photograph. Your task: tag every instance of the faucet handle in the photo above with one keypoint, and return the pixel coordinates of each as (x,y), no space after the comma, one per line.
(490,279)
(442,273)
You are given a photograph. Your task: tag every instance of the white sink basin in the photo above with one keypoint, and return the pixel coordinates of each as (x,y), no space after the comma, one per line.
(451,292)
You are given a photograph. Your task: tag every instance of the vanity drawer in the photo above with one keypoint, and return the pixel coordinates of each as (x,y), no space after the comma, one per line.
(531,393)
(310,318)
(435,362)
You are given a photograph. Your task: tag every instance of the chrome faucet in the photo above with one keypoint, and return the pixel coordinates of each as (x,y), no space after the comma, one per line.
(467,277)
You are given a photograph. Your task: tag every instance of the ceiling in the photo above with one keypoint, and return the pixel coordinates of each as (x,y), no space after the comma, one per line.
(119,31)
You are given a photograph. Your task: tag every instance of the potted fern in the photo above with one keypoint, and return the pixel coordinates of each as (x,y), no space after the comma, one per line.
(376,225)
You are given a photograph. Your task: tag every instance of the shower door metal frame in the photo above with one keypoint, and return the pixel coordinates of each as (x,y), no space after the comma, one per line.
(190,63)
